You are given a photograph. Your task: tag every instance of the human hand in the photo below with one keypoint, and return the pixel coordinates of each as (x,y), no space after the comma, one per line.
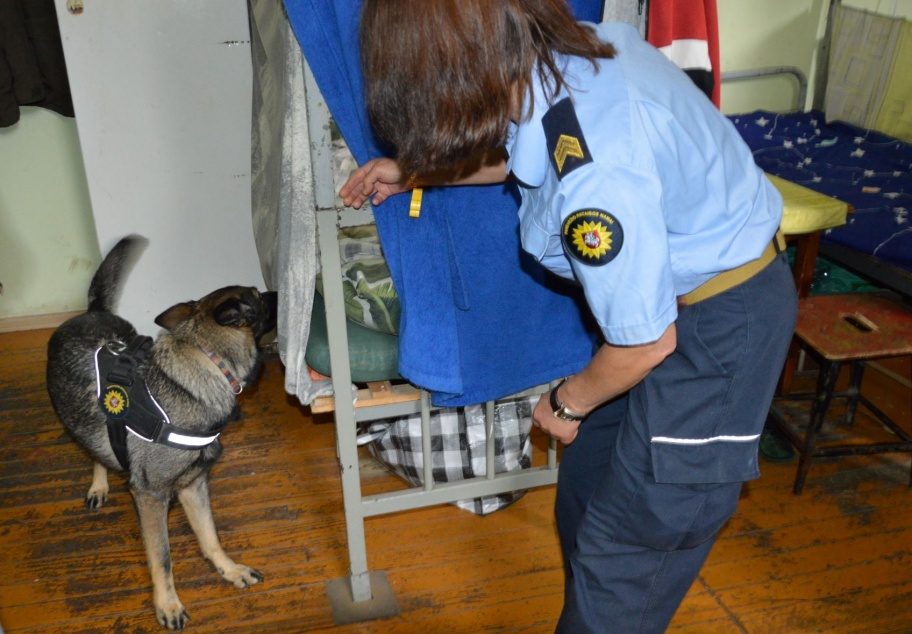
(543,417)
(378,179)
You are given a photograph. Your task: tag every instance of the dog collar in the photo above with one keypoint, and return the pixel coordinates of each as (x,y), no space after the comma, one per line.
(129,406)
(236,386)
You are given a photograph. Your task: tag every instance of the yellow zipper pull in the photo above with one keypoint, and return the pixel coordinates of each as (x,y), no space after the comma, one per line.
(415,205)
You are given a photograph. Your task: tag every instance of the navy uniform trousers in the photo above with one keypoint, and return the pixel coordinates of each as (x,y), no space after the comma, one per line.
(633,546)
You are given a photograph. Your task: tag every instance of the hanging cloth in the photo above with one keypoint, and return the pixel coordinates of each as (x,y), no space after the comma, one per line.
(687,32)
(32,68)
(480,319)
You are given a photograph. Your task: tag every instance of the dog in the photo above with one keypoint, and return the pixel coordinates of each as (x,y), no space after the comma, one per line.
(156,409)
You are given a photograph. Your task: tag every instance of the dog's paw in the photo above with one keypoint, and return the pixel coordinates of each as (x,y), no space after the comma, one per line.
(241,576)
(96,498)
(172,614)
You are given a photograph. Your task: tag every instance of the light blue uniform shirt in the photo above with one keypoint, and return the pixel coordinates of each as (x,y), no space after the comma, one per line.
(660,195)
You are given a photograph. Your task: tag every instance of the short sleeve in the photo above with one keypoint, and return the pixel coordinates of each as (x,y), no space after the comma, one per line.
(613,229)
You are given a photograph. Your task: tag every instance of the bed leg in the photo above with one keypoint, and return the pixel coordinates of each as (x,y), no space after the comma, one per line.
(380,602)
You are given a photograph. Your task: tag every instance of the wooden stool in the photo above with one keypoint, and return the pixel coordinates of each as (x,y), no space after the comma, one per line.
(840,329)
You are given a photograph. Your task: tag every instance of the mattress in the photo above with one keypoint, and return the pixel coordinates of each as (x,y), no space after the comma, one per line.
(870,171)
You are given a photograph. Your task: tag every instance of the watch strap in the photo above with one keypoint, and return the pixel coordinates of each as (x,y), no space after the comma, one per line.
(559,409)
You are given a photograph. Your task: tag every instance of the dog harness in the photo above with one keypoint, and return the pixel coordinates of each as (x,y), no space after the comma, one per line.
(130,407)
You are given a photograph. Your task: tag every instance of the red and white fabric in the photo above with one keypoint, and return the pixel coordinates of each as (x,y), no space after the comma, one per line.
(687,32)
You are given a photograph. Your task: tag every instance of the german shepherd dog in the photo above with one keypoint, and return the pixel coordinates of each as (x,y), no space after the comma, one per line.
(189,375)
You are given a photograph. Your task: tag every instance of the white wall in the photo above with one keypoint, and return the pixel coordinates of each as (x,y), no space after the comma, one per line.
(163,95)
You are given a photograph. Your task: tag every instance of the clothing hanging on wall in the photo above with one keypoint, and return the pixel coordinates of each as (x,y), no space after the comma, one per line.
(480,320)
(32,68)
(687,32)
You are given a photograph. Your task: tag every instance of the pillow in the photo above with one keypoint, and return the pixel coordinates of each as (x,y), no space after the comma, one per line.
(373,355)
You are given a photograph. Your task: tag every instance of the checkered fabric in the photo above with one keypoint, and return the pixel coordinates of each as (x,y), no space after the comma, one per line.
(458,447)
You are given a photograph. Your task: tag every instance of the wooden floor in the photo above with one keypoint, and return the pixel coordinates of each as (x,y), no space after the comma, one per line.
(836,559)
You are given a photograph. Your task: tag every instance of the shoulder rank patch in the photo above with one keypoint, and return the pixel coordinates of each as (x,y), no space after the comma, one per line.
(592,236)
(566,145)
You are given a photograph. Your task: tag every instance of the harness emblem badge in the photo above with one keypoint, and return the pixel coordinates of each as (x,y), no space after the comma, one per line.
(116,401)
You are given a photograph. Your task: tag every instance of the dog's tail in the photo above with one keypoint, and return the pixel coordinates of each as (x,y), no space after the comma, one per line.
(106,285)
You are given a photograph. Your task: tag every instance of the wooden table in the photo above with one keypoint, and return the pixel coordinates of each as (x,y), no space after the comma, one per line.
(806,215)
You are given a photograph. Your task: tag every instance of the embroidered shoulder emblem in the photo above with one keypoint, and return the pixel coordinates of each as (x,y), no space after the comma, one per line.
(592,236)
(567,147)
(115,401)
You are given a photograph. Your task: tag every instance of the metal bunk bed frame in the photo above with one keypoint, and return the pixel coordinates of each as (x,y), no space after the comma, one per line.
(365,595)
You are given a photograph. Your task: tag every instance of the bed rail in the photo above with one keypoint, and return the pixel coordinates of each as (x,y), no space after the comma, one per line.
(769,71)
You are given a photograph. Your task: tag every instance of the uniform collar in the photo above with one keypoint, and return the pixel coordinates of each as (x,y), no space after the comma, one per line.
(529,149)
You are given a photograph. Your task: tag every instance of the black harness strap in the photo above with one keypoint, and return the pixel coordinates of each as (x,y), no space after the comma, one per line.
(130,407)
(128,359)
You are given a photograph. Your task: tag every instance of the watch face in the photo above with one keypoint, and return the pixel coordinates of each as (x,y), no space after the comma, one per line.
(563,414)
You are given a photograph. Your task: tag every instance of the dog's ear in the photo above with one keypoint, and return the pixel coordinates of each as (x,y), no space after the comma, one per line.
(234,312)
(175,315)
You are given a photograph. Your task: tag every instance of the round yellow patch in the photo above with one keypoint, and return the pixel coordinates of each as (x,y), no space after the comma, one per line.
(116,401)
(592,236)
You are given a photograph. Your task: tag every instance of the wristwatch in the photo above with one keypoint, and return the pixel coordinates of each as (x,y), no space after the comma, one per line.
(560,410)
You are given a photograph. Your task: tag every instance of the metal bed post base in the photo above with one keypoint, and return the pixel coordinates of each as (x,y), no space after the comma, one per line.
(380,604)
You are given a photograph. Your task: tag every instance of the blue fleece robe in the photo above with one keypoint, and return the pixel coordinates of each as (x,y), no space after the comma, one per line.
(480,319)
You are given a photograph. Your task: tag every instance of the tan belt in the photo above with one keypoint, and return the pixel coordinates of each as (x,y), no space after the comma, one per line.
(738,275)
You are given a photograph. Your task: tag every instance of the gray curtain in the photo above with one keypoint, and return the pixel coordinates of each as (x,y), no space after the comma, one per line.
(284,216)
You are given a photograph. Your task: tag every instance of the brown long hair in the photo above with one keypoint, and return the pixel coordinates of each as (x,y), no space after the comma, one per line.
(440,75)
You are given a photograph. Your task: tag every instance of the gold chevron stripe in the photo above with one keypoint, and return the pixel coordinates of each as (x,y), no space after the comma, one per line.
(567,146)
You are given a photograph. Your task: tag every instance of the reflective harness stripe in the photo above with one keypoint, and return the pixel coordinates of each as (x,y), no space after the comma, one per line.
(129,406)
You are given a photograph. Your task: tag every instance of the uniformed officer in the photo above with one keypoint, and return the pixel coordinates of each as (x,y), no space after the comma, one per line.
(634,185)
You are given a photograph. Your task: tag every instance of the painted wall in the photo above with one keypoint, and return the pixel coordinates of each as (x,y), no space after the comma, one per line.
(779,33)
(769,33)
(164,124)
(48,249)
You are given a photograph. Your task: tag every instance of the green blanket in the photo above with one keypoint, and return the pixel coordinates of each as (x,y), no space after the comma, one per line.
(370,298)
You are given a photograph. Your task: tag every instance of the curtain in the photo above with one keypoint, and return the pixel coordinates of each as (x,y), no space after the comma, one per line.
(284,215)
